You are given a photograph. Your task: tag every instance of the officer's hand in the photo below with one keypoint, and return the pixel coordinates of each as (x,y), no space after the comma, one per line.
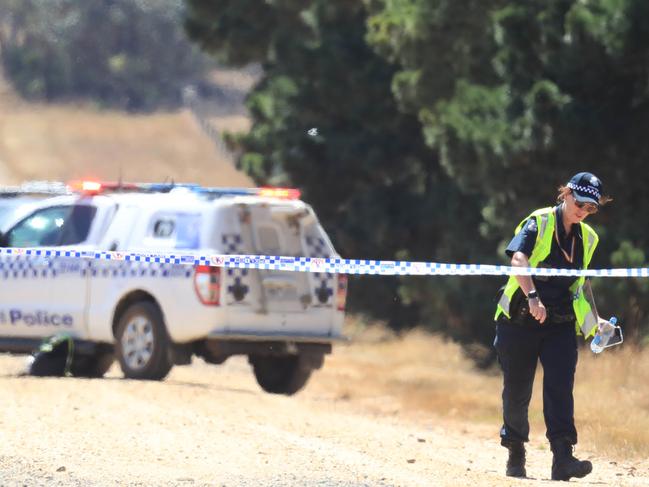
(537,310)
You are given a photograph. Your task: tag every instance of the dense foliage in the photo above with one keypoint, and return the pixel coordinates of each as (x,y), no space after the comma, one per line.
(533,93)
(130,54)
(442,123)
(378,188)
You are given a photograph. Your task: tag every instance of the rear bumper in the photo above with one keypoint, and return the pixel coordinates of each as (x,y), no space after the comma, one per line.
(232,322)
(275,337)
(217,350)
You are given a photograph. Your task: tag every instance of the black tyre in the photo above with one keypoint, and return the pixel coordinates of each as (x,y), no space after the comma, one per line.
(142,346)
(281,374)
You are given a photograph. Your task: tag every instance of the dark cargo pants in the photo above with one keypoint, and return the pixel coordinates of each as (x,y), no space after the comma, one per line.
(519,347)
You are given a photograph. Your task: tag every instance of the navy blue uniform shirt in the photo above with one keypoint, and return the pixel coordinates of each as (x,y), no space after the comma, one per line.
(553,290)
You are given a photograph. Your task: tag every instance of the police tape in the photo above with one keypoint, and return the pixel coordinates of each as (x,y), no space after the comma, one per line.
(319,264)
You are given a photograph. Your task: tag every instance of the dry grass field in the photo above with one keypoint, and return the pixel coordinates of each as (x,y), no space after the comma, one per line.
(384,411)
(66,142)
(421,374)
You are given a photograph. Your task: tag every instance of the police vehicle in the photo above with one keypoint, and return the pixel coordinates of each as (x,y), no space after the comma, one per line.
(152,316)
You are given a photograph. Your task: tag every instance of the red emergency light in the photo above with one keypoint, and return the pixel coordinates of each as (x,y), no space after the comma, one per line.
(86,187)
(282,193)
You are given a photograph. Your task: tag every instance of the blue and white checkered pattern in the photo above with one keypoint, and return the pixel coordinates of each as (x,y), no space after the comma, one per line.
(585,189)
(140,269)
(23,268)
(238,288)
(231,243)
(31,267)
(332,265)
(317,248)
(28,267)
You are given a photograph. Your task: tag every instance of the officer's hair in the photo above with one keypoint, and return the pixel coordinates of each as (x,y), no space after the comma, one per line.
(565,191)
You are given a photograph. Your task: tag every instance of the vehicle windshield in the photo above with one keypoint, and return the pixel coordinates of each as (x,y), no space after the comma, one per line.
(55,226)
(8,208)
(5,213)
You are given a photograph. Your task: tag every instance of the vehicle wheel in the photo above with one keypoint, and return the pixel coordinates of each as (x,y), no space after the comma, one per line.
(142,343)
(92,366)
(280,374)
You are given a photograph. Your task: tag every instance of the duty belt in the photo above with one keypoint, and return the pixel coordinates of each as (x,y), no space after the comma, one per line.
(559,314)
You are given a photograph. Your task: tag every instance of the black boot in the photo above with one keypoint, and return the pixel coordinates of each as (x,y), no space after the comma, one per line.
(516,460)
(564,464)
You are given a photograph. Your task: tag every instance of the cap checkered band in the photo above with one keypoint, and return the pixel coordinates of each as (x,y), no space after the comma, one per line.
(585,189)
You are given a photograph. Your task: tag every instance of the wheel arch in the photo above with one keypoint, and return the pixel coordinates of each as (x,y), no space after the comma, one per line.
(127,300)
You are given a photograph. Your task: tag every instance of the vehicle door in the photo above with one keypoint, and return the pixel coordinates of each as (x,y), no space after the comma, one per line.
(142,230)
(42,296)
(278,230)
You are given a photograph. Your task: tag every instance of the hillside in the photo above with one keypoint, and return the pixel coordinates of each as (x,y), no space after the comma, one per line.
(64,142)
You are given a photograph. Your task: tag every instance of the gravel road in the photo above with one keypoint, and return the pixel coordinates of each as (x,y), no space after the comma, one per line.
(211,425)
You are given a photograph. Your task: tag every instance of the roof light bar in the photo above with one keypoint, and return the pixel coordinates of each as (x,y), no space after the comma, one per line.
(95,187)
(165,187)
(283,193)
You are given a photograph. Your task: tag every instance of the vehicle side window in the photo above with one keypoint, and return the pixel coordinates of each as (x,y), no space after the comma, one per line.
(163,228)
(77,226)
(60,225)
(174,230)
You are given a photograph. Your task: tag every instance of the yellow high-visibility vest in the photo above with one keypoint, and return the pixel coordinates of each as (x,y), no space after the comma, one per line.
(586,322)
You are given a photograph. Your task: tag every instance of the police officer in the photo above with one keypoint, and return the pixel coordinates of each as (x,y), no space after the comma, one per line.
(540,317)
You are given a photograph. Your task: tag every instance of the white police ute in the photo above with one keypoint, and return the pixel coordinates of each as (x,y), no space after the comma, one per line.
(151,316)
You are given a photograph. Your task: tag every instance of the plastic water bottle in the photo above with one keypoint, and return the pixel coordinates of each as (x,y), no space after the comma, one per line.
(600,340)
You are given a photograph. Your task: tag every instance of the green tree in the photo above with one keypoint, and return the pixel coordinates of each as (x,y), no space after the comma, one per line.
(441,124)
(130,54)
(376,186)
(536,91)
